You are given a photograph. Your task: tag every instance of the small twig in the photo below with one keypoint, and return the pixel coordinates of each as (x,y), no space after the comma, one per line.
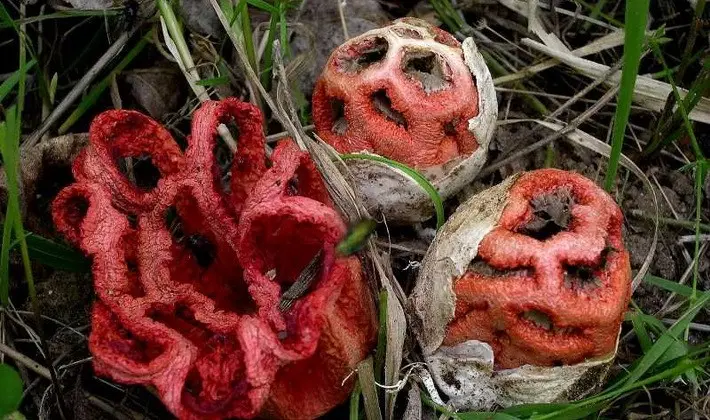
(118,104)
(398,247)
(79,88)
(665,309)
(341,4)
(273,138)
(691,238)
(177,46)
(686,224)
(102,405)
(611,93)
(616,67)
(611,40)
(693,325)
(26,361)
(302,284)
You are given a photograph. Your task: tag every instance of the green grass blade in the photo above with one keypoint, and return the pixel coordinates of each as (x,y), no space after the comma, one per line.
(485,416)
(355,402)
(448,15)
(283,30)
(416,176)
(665,341)
(677,350)
(682,104)
(268,58)
(596,403)
(652,322)
(247,35)
(481,415)
(214,81)
(641,332)
(261,4)
(528,410)
(10,83)
(635,28)
(5,254)
(4,24)
(11,386)
(595,11)
(56,255)
(671,286)
(439,408)
(6,20)
(95,93)
(699,182)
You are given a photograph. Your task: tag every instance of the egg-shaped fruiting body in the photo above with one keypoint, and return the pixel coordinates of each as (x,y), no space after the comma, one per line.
(409,92)
(523,291)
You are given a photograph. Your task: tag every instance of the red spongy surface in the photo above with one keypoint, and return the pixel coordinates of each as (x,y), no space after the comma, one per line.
(370,96)
(189,274)
(529,303)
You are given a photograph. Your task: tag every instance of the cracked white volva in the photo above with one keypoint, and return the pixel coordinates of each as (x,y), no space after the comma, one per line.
(465,372)
(394,194)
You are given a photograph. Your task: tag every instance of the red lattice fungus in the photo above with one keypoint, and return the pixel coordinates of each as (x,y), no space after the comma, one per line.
(189,270)
(551,282)
(402,91)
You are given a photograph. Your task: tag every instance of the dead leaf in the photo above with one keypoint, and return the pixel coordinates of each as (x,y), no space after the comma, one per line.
(44,170)
(200,17)
(91,4)
(157,90)
(322,18)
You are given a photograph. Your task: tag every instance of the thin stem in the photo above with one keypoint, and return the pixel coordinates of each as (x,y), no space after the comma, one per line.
(686,224)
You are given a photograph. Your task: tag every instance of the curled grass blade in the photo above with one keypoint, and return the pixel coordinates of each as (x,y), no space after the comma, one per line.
(416,176)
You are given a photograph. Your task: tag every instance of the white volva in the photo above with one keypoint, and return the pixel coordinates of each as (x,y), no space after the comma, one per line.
(393,193)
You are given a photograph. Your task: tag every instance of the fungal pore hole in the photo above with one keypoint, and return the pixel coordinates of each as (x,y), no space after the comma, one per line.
(407,33)
(140,171)
(538,318)
(383,104)
(363,55)
(480,266)
(585,277)
(551,214)
(337,109)
(77,207)
(427,68)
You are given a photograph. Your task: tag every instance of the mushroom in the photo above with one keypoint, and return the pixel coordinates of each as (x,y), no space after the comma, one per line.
(188,272)
(523,291)
(409,92)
